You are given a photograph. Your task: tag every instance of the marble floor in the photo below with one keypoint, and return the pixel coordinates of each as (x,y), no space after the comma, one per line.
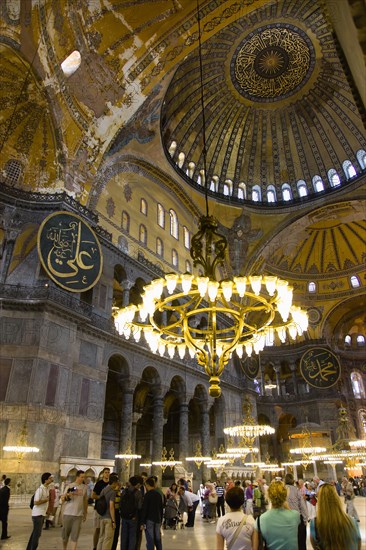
(201,537)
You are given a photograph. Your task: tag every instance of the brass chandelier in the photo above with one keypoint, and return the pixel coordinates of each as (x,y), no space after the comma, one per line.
(209,317)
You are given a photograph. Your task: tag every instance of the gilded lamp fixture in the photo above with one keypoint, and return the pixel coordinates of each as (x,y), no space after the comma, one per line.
(165,462)
(22,447)
(208,317)
(128,455)
(248,431)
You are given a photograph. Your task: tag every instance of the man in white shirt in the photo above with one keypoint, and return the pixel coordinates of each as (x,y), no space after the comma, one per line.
(41,498)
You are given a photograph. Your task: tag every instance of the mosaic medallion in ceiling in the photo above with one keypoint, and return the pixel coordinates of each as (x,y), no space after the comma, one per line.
(272,63)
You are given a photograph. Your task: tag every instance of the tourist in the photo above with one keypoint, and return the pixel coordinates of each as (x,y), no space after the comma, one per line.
(235,528)
(41,498)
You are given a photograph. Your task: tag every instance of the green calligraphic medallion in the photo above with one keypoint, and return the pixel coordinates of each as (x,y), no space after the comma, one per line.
(69,251)
(250,367)
(320,368)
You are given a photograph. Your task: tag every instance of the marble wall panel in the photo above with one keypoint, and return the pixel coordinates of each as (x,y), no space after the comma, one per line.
(20,380)
(96,401)
(75,443)
(10,330)
(39,381)
(88,353)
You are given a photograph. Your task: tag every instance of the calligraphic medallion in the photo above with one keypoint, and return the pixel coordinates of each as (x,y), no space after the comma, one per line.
(273,62)
(250,367)
(320,368)
(69,251)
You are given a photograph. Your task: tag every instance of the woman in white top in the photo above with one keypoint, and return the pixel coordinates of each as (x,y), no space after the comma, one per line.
(235,527)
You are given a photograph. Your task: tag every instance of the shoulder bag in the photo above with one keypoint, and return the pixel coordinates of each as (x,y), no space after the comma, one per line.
(236,534)
(262,541)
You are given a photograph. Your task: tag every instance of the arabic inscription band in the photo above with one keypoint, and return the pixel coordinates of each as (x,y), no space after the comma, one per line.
(320,368)
(69,251)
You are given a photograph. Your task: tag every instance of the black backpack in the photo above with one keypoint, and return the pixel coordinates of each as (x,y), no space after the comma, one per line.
(127,504)
(101,505)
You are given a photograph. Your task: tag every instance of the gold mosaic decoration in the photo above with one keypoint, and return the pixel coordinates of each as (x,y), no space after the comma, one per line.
(272,63)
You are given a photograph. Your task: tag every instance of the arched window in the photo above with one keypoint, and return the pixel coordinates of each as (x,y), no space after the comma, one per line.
(172,148)
(357,385)
(333,178)
(125,221)
(301,188)
(271,194)
(190,169)
(13,171)
(159,247)
(256,193)
(286,192)
(355,281)
(349,169)
(347,340)
(161,215)
(362,416)
(318,184)
(71,63)
(361,157)
(186,237)
(181,159)
(175,258)
(173,223)
(312,286)
(188,266)
(201,177)
(143,234)
(143,207)
(360,340)
(228,188)
(242,191)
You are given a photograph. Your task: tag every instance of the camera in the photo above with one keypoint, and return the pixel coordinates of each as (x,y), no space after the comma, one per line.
(72,489)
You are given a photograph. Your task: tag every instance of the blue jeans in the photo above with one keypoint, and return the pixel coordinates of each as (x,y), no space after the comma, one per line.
(153,535)
(36,533)
(128,534)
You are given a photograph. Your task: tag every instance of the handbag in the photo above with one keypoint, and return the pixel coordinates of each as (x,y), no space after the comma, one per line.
(236,534)
(213,498)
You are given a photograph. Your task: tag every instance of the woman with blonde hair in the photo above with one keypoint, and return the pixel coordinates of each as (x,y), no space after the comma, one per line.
(279,525)
(333,529)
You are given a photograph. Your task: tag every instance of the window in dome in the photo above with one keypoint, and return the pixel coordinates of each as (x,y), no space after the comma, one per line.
(312,286)
(318,184)
(173,223)
(361,157)
(175,258)
(347,340)
(349,169)
(71,63)
(172,149)
(125,221)
(181,159)
(186,237)
(190,169)
(333,178)
(143,207)
(188,266)
(286,192)
(357,385)
(161,215)
(301,188)
(360,340)
(228,188)
(143,234)
(256,193)
(271,194)
(159,247)
(201,177)
(214,185)
(355,282)
(242,191)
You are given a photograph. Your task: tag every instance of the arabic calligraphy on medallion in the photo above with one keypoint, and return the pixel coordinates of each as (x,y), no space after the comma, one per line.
(250,367)
(70,252)
(320,368)
(272,62)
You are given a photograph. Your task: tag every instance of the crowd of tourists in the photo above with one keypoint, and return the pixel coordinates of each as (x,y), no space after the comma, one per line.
(248,515)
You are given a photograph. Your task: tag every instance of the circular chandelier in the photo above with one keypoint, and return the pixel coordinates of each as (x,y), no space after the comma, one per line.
(198,458)
(128,455)
(211,318)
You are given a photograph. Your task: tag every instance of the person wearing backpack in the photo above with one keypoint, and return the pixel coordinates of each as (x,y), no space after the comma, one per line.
(41,498)
(130,506)
(98,488)
(108,517)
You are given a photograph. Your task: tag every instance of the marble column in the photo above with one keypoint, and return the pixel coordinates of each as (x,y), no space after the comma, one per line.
(157,433)
(123,467)
(294,378)
(205,438)
(277,370)
(183,431)
(126,287)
